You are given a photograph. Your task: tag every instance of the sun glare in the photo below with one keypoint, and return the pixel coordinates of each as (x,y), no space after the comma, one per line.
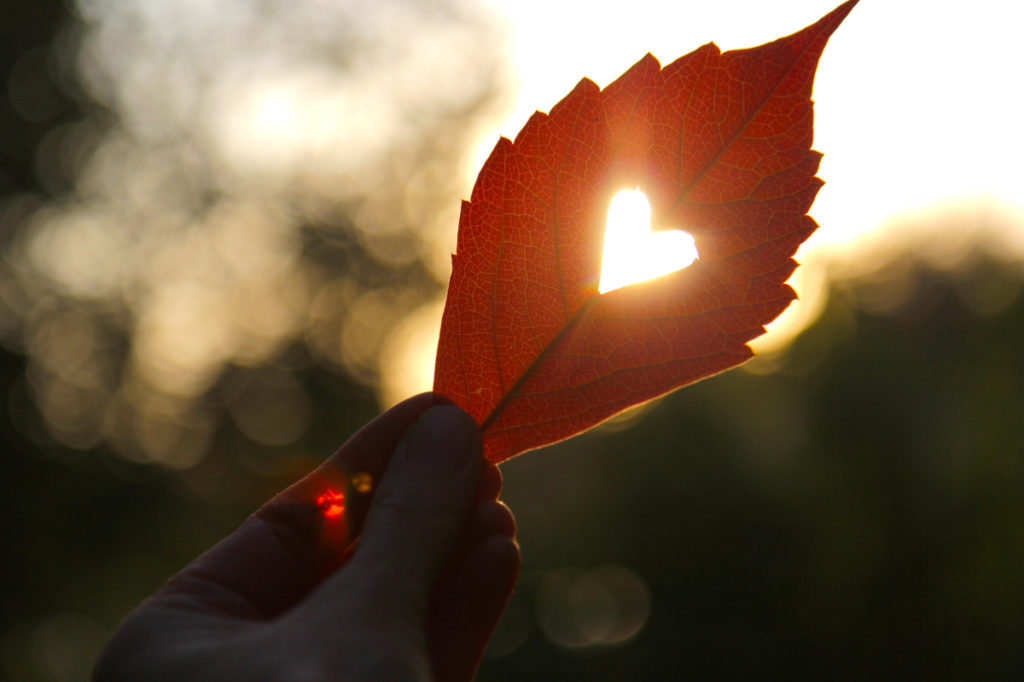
(632,252)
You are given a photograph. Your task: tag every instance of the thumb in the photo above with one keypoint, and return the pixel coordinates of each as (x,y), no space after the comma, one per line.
(417,513)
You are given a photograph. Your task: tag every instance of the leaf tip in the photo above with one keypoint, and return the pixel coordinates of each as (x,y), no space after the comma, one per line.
(832,20)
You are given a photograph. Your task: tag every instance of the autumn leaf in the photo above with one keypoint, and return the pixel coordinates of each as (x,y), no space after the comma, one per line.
(720,145)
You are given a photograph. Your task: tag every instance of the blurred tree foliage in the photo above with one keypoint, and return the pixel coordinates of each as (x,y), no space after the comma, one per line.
(39,101)
(195,191)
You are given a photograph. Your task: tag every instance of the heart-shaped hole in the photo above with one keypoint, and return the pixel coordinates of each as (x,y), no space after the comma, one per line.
(632,253)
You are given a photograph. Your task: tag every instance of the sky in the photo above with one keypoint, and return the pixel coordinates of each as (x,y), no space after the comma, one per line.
(914,100)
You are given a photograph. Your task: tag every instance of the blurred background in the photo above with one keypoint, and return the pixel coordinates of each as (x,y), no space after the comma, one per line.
(225,232)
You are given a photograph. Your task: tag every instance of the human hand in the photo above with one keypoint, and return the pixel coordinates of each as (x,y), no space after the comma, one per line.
(289,596)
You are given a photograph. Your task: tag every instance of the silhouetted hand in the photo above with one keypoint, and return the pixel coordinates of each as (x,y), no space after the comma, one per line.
(286,597)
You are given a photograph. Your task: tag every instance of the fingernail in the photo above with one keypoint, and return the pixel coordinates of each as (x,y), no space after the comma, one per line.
(445,433)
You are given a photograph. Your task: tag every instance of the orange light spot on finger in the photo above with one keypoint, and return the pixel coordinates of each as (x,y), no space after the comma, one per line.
(362,482)
(331,504)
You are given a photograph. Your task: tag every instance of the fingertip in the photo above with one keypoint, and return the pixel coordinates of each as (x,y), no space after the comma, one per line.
(504,557)
(492,517)
(446,434)
(489,485)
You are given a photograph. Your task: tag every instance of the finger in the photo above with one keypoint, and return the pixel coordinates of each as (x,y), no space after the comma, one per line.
(364,457)
(486,518)
(489,486)
(472,590)
(417,514)
(277,555)
(467,607)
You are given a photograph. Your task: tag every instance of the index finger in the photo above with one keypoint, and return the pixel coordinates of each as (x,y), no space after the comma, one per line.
(341,487)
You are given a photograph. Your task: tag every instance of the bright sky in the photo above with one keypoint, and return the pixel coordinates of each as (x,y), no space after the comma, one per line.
(916,101)
(632,252)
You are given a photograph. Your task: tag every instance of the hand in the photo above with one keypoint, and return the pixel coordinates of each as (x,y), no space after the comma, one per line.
(288,596)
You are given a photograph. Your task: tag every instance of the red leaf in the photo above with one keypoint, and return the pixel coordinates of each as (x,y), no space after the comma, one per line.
(720,144)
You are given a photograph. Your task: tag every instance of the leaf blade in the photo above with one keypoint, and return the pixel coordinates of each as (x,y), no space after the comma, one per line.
(720,142)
